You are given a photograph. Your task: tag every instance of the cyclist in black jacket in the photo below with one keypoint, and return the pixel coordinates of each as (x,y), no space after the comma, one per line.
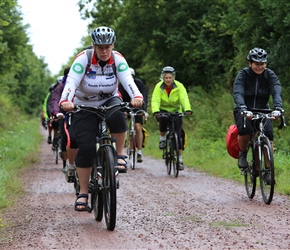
(253,87)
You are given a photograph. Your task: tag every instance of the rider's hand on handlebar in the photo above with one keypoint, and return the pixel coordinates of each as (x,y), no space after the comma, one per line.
(136,102)
(188,112)
(276,113)
(156,114)
(248,114)
(67,106)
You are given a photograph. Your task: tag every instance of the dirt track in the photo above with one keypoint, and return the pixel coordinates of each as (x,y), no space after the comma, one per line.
(155,211)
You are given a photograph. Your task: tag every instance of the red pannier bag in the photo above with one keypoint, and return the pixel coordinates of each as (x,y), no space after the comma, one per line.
(232,141)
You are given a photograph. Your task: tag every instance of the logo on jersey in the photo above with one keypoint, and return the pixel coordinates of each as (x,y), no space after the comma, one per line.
(78,68)
(123,67)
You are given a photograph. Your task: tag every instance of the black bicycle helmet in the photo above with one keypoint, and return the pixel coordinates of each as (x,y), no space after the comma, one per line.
(258,55)
(103,35)
(167,69)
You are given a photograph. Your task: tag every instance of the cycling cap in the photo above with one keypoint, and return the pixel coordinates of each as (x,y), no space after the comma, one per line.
(103,35)
(257,55)
(167,69)
(59,79)
(132,71)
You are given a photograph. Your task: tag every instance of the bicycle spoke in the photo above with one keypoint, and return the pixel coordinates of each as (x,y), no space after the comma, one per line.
(109,188)
(267,181)
(250,173)
(175,154)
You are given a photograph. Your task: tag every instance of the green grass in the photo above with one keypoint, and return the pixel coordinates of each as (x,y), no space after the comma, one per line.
(18,150)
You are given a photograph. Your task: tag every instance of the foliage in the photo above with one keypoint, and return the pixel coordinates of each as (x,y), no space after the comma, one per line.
(19,140)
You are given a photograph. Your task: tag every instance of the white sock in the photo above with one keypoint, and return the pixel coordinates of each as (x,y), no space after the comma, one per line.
(139,152)
(180,158)
(162,138)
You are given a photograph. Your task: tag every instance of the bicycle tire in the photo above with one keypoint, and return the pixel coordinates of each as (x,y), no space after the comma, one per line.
(167,155)
(175,154)
(56,155)
(109,191)
(76,184)
(132,150)
(96,196)
(267,181)
(250,173)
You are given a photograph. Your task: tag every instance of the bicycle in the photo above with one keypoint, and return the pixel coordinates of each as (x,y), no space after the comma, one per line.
(56,146)
(260,156)
(131,135)
(171,151)
(104,180)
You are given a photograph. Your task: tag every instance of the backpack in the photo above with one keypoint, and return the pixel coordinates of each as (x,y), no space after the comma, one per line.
(232,144)
(89,53)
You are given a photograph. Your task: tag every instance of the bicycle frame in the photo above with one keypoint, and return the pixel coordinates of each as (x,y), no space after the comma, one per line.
(105,175)
(171,152)
(131,138)
(260,157)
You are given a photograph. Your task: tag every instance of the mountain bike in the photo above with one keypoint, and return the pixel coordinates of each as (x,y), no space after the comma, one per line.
(260,156)
(171,151)
(131,135)
(104,180)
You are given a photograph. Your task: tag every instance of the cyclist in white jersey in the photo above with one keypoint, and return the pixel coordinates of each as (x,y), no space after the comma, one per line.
(95,83)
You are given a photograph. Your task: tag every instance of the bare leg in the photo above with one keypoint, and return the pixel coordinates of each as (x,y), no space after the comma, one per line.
(120,142)
(139,135)
(84,177)
(243,142)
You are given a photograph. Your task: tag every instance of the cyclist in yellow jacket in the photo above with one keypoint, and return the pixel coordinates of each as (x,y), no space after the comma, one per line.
(169,95)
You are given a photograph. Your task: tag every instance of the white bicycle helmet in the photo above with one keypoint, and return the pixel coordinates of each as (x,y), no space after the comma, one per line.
(103,35)
(257,55)
(59,79)
(167,69)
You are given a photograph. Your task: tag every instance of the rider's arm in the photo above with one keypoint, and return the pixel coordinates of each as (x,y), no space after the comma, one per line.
(239,89)
(156,98)
(275,88)
(55,97)
(183,97)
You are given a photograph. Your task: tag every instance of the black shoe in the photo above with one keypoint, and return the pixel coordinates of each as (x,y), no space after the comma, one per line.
(139,158)
(181,167)
(49,140)
(242,162)
(162,145)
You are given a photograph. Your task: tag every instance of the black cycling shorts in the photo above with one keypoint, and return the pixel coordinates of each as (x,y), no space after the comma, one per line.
(249,129)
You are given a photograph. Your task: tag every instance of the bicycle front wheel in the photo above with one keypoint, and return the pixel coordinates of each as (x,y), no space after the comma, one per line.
(174,154)
(96,195)
(167,155)
(109,186)
(132,150)
(250,173)
(267,181)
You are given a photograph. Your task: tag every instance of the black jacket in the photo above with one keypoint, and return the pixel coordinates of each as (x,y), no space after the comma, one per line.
(142,88)
(253,91)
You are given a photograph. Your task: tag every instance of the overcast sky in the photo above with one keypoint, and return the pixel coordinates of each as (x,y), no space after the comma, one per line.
(55,29)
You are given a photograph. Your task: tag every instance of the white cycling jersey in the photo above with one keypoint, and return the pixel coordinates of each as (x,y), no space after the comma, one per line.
(95,85)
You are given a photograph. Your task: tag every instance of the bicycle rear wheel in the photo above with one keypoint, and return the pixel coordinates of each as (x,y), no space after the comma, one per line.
(132,150)
(267,181)
(250,173)
(174,154)
(109,191)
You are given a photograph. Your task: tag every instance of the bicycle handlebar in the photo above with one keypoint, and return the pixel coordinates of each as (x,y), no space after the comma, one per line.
(264,113)
(78,107)
(172,114)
